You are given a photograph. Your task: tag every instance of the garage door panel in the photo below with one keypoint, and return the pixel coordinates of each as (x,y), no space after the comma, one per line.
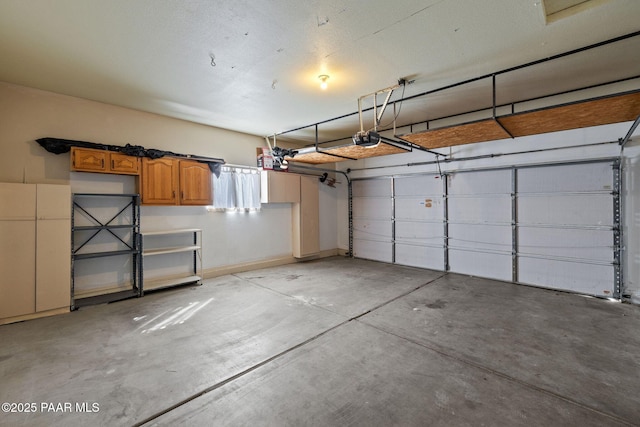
(431,209)
(493,266)
(372,208)
(422,185)
(478,209)
(592,210)
(480,182)
(419,233)
(377,251)
(575,277)
(569,243)
(372,188)
(420,256)
(481,237)
(372,229)
(566,178)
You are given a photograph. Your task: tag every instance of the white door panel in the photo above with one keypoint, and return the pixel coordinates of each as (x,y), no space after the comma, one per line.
(425,209)
(482,210)
(421,185)
(372,208)
(480,264)
(372,188)
(420,256)
(576,277)
(372,229)
(481,182)
(377,251)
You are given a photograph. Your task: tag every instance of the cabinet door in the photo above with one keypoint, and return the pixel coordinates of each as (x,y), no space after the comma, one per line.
(279,187)
(306,215)
(159,181)
(195,183)
(17,272)
(123,164)
(53,247)
(17,249)
(87,160)
(53,265)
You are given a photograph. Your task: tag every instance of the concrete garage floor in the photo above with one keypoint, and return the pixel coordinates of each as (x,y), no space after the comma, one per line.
(332,342)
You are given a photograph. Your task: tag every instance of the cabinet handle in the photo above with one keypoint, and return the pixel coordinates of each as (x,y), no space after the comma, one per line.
(173,194)
(113,165)
(102,163)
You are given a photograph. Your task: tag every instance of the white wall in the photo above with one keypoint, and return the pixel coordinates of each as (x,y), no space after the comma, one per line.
(229,239)
(631,164)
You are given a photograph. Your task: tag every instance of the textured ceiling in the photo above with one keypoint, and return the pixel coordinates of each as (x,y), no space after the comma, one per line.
(253,66)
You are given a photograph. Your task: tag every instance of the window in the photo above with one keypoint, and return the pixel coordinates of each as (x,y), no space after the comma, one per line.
(236,188)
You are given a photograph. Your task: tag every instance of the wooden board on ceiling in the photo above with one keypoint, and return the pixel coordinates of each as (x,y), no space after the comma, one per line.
(602,111)
(352,151)
(315,158)
(467,133)
(594,112)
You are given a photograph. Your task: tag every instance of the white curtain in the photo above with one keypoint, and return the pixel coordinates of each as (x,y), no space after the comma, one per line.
(236,188)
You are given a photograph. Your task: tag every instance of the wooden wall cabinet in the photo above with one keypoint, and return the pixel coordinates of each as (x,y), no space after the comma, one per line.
(103,161)
(195,183)
(35,247)
(171,181)
(279,187)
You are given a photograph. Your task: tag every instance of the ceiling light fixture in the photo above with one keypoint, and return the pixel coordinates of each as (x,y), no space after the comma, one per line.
(323,81)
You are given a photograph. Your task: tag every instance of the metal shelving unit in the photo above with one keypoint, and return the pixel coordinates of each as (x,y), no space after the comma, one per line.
(130,244)
(194,246)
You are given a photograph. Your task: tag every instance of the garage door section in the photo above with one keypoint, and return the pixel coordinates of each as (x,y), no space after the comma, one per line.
(372,219)
(554,226)
(419,221)
(568,227)
(480,232)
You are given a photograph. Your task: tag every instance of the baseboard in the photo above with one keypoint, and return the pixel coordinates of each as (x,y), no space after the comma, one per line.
(31,316)
(257,265)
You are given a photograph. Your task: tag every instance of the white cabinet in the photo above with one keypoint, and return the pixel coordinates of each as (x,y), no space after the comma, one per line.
(305,216)
(53,247)
(302,191)
(167,242)
(35,246)
(279,187)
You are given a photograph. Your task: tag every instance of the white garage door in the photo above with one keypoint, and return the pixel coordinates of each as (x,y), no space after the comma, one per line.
(419,221)
(551,226)
(566,228)
(480,232)
(372,219)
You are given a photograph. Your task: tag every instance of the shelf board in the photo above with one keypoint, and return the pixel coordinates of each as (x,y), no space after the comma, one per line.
(102,227)
(105,254)
(165,283)
(104,195)
(105,298)
(160,251)
(165,232)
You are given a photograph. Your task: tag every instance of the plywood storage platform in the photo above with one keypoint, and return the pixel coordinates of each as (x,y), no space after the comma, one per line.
(467,133)
(348,151)
(581,114)
(602,111)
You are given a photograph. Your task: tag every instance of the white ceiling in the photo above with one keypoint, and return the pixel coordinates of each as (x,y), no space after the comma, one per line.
(156,55)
